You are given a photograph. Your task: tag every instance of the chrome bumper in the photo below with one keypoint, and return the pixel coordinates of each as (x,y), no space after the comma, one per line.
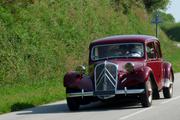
(117,92)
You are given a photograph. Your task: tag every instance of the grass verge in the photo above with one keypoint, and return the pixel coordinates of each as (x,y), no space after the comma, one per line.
(21,96)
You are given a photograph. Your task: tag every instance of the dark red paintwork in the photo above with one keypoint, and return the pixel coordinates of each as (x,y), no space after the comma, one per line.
(144,67)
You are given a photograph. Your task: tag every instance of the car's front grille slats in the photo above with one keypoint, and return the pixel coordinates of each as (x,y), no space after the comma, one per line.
(105,76)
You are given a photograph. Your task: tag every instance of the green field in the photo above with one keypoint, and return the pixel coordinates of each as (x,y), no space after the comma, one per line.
(39,42)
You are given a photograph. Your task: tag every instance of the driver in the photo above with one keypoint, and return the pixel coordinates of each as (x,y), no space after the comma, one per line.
(135,51)
(123,50)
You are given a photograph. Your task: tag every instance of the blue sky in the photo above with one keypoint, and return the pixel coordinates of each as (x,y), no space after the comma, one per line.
(174,9)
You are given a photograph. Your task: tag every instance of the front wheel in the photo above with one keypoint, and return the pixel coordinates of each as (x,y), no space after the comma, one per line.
(146,98)
(73,103)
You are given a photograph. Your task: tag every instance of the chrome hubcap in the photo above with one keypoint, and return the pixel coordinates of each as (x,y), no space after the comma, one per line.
(149,90)
(171,86)
(171,89)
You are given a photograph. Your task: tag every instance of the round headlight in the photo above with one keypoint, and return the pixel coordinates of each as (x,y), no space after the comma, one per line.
(81,69)
(129,67)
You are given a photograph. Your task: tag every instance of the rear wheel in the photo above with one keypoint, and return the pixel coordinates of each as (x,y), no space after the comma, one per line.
(146,98)
(168,91)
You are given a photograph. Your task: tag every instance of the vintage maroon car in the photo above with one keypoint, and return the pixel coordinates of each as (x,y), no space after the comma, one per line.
(121,66)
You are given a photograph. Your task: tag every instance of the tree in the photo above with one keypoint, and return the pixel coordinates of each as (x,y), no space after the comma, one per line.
(153,5)
(167,18)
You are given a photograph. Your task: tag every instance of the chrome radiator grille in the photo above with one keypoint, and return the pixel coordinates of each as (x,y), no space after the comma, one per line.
(105,76)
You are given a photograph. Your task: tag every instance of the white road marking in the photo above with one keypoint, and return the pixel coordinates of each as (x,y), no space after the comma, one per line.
(172,99)
(135,113)
(143,110)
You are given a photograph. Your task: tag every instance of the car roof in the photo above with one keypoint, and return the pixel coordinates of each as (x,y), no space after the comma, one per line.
(124,38)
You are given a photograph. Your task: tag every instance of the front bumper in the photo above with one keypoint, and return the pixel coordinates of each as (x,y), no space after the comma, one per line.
(117,92)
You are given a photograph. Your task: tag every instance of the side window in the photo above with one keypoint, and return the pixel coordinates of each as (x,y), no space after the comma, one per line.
(150,51)
(158,50)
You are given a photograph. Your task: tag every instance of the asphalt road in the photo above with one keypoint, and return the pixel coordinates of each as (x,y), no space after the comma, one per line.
(162,109)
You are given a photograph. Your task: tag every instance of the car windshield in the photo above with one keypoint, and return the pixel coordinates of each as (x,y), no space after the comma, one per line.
(120,50)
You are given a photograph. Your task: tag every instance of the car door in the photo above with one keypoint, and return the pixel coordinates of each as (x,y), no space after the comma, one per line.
(159,61)
(154,61)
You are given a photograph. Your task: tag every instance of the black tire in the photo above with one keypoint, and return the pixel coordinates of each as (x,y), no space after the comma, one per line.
(168,91)
(73,103)
(156,94)
(146,98)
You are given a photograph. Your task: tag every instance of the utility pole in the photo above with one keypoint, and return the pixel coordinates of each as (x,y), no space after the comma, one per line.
(156,20)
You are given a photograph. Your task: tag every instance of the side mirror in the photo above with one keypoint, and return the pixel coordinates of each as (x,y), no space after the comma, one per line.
(81,69)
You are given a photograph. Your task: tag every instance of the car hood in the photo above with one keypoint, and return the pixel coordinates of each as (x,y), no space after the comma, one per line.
(122,63)
(131,79)
(128,79)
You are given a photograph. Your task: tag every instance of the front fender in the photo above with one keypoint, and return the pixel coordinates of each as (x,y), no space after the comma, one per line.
(150,73)
(75,80)
(139,76)
(147,72)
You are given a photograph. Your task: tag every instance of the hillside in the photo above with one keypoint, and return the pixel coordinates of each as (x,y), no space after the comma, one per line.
(172,31)
(40,41)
